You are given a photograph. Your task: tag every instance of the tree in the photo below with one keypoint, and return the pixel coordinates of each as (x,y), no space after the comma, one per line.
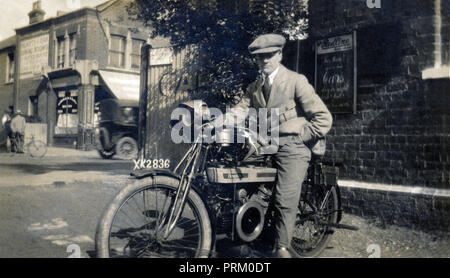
(221,31)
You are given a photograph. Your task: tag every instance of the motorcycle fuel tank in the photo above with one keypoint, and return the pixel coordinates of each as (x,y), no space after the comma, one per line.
(241,174)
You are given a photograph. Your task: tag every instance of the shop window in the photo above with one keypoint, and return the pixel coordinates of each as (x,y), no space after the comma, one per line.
(10,69)
(67,113)
(117,52)
(136,54)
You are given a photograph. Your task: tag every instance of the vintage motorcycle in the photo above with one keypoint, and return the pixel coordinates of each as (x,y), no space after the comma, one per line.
(214,193)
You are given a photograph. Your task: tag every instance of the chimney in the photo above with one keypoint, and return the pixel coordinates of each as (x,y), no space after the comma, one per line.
(37,13)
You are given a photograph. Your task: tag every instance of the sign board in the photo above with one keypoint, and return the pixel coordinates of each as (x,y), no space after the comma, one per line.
(67,102)
(161,56)
(335,76)
(33,55)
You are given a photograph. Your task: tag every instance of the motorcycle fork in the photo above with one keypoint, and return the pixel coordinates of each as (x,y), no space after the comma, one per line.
(183,189)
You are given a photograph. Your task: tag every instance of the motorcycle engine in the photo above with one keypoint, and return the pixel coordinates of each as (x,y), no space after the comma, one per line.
(250,216)
(241,198)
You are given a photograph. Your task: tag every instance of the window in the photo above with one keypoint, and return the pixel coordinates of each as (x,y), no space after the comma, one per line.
(62,44)
(32,106)
(61,52)
(136,54)
(117,52)
(67,112)
(10,71)
(72,50)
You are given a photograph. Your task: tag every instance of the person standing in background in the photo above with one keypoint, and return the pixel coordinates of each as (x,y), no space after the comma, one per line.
(6,124)
(18,124)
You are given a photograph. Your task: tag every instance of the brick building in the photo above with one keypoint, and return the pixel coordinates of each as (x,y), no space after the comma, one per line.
(88,54)
(393,143)
(7,62)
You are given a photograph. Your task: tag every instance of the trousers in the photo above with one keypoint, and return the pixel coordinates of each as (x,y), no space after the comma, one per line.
(17,144)
(292,162)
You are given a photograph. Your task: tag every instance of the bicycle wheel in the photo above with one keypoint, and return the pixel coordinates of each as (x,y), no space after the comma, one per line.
(313,226)
(133,225)
(37,148)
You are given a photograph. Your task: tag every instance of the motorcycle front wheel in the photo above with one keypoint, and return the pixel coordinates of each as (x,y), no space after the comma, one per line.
(134,223)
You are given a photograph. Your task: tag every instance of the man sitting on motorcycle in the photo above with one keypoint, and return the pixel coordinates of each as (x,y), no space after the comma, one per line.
(303,120)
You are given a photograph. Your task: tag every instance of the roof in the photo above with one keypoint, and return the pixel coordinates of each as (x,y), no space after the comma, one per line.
(8,42)
(99,7)
(105,5)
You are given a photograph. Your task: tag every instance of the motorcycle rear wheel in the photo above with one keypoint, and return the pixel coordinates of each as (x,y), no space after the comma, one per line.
(313,228)
(129,226)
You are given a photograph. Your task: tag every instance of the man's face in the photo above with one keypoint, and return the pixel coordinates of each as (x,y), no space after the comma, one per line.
(268,62)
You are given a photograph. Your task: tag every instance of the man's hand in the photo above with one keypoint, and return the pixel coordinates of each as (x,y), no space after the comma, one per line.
(254,148)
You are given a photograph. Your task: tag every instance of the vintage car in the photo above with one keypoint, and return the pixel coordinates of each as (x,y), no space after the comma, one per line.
(117,129)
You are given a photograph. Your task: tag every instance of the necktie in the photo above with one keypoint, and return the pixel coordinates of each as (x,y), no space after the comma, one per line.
(266,88)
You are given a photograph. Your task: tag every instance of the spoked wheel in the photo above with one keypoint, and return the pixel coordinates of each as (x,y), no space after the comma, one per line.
(313,226)
(134,224)
(37,148)
(126,148)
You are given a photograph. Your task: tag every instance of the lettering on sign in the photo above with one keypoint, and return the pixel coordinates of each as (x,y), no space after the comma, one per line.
(161,56)
(33,55)
(335,44)
(336,73)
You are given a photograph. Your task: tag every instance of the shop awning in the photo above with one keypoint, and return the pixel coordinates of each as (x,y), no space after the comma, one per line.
(124,86)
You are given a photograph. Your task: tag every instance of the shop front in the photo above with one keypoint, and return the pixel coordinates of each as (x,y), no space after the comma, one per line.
(72,111)
(63,108)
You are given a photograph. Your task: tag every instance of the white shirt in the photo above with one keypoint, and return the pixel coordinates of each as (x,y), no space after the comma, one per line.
(272,76)
(5,118)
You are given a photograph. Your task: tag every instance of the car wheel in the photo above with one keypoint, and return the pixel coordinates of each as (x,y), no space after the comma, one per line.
(127,148)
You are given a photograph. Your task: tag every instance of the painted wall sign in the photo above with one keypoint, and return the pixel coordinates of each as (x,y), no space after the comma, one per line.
(33,55)
(335,77)
(161,56)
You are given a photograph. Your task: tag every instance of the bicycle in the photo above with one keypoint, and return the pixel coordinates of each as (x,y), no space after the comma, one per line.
(36,148)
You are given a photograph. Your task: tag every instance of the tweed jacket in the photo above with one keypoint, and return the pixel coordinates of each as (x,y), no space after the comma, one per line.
(291,89)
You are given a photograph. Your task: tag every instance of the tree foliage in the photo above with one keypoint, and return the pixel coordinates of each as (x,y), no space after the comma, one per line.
(221,31)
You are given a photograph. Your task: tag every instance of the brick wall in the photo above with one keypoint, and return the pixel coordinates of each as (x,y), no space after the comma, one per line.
(3,67)
(400,133)
(405,209)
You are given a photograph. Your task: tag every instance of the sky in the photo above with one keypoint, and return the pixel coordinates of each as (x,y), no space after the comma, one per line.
(14,13)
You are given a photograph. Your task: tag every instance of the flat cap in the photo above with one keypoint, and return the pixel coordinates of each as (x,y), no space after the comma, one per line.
(267,43)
